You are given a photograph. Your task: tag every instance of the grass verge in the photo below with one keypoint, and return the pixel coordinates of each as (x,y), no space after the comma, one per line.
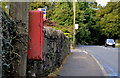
(117,45)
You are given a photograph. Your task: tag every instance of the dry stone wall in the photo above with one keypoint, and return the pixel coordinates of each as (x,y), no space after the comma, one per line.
(56,48)
(13,44)
(0,43)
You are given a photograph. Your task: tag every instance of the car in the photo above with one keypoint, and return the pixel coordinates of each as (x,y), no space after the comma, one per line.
(110,42)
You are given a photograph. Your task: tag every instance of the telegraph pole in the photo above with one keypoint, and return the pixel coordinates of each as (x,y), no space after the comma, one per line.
(20,11)
(74,24)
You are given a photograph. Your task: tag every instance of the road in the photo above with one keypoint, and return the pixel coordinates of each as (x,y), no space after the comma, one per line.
(107,57)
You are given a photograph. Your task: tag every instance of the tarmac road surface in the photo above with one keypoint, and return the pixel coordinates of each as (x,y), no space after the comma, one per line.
(107,57)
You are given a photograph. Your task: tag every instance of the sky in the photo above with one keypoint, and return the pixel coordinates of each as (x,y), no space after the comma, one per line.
(102,2)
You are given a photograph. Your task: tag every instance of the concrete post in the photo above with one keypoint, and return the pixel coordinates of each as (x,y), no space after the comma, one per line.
(19,11)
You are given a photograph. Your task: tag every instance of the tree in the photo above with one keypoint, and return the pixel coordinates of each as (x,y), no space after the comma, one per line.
(96,23)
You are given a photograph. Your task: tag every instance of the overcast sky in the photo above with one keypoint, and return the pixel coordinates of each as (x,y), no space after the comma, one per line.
(102,2)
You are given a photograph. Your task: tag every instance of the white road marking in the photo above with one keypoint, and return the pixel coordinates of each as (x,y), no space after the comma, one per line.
(108,48)
(85,52)
(79,51)
(102,68)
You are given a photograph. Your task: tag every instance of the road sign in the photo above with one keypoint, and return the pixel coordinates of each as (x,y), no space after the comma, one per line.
(76,26)
(44,12)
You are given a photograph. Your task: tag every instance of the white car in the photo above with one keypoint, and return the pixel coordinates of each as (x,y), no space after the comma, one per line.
(110,42)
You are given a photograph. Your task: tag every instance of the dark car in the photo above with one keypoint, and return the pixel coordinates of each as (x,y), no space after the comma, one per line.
(110,42)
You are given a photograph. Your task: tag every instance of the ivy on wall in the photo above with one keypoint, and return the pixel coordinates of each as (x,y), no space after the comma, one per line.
(12,44)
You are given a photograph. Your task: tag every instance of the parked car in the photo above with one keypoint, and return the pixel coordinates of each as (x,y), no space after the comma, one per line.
(110,42)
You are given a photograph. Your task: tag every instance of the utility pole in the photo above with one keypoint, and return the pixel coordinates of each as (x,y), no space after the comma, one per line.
(19,11)
(74,24)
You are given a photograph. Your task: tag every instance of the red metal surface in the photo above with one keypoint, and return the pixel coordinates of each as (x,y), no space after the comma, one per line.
(36,36)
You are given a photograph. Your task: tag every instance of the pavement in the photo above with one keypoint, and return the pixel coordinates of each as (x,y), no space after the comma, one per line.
(81,63)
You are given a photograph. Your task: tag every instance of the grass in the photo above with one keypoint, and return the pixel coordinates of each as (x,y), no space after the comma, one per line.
(117,45)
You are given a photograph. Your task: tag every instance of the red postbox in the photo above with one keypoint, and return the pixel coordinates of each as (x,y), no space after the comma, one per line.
(36,35)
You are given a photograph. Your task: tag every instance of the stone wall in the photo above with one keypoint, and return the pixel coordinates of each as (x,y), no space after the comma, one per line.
(14,49)
(56,48)
(14,46)
(0,43)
